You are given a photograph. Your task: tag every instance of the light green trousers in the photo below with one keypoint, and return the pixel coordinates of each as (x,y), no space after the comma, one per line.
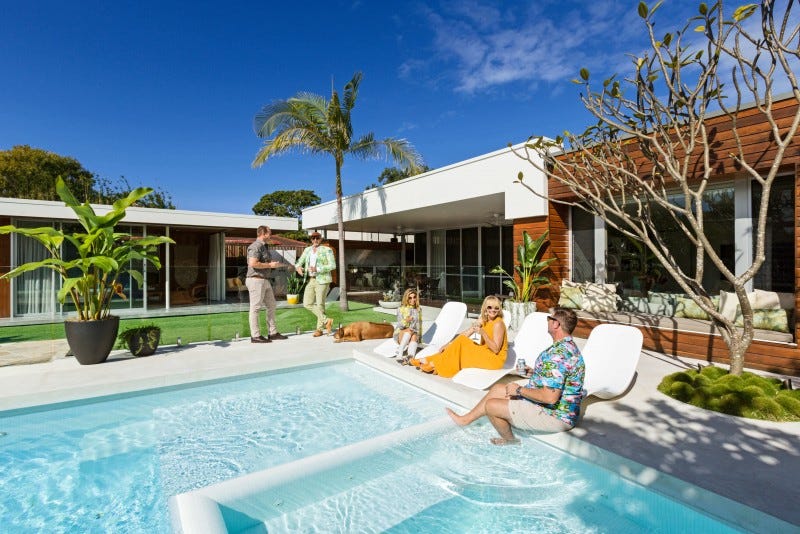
(314,300)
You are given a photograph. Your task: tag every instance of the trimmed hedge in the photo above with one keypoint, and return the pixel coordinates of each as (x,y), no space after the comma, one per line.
(748,395)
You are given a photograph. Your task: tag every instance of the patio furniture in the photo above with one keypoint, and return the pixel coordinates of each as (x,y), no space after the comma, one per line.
(611,354)
(441,332)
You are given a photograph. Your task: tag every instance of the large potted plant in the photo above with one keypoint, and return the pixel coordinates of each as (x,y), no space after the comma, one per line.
(528,279)
(92,278)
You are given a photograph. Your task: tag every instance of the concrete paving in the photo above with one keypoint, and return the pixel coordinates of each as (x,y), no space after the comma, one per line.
(756,463)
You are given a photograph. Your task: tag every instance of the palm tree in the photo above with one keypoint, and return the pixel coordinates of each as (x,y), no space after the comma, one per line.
(309,123)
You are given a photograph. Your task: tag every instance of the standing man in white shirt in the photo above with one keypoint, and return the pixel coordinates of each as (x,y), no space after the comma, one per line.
(317,261)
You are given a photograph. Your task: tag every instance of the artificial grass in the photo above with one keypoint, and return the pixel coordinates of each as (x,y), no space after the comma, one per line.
(209,327)
(748,395)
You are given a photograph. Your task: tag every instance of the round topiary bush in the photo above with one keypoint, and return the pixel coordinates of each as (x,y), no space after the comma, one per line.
(748,395)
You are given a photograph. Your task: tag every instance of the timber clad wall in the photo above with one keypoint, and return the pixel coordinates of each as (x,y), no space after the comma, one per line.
(755,137)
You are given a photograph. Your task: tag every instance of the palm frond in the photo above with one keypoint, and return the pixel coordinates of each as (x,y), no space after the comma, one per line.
(351,91)
(404,154)
(366,147)
(270,118)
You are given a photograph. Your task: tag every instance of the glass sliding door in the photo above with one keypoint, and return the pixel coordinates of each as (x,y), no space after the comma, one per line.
(34,291)
(437,262)
(583,260)
(490,258)
(471,275)
(778,271)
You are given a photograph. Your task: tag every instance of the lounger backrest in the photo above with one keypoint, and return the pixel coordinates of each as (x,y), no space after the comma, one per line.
(531,340)
(446,324)
(610,355)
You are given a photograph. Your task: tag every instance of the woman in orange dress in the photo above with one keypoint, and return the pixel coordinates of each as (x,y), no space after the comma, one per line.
(462,352)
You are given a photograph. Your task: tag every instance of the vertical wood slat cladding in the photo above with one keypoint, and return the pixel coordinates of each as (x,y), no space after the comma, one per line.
(5,266)
(755,136)
(763,355)
(557,248)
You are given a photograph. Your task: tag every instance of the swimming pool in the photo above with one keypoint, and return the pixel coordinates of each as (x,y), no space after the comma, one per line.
(355,450)
(436,478)
(110,464)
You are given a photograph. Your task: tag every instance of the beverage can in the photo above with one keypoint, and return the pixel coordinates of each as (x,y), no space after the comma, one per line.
(521,366)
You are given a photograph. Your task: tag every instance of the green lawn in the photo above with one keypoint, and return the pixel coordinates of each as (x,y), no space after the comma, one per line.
(210,327)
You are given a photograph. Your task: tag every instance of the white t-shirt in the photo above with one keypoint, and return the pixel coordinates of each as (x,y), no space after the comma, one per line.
(312,261)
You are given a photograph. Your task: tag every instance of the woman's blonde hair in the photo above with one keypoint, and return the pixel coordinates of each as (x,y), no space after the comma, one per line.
(486,302)
(408,293)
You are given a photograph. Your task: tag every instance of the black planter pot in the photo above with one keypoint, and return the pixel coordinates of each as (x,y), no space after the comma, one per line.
(91,341)
(144,343)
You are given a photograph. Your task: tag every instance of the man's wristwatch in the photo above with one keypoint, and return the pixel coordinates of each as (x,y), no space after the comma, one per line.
(519,391)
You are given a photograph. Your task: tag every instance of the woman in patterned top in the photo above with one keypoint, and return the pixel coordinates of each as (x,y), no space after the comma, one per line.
(549,401)
(409,325)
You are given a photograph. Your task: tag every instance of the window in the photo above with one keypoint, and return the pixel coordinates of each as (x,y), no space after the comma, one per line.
(583,260)
(637,269)
(777,273)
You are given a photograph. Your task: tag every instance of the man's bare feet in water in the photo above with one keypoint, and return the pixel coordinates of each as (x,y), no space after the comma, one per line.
(460,420)
(503,441)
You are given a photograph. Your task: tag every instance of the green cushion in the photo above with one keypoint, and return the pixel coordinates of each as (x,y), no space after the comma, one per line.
(662,298)
(686,307)
(776,320)
(571,297)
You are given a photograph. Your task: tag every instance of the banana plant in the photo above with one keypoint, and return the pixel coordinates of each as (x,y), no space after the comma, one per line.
(103,254)
(529,268)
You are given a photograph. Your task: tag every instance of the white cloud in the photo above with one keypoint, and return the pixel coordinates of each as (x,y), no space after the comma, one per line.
(481,45)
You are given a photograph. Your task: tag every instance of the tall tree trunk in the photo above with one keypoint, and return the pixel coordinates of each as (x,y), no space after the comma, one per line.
(340,227)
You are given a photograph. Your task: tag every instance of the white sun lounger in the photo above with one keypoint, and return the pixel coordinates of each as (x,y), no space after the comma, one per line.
(441,332)
(531,340)
(611,355)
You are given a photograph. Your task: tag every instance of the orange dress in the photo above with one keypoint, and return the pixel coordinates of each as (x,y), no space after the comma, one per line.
(463,353)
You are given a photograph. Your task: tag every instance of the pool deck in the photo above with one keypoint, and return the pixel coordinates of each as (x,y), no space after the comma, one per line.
(756,463)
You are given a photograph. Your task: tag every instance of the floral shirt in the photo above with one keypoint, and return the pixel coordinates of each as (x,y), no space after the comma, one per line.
(408,317)
(561,367)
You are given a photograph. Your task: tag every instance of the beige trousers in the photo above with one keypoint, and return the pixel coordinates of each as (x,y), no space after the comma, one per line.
(261,297)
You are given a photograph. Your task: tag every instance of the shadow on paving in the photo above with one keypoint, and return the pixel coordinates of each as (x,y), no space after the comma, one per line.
(728,455)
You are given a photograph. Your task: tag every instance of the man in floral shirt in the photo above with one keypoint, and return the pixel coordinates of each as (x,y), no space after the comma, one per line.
(549,401)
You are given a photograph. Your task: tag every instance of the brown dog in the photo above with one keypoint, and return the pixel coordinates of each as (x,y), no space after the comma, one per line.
(362,330)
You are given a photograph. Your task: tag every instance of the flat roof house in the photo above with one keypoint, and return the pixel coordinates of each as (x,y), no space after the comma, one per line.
(466,218)
(193,270)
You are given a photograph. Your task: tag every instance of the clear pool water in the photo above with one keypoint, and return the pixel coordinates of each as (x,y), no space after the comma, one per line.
(111,464)
(458,482)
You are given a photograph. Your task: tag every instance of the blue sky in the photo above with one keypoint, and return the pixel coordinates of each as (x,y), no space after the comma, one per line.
(164,93)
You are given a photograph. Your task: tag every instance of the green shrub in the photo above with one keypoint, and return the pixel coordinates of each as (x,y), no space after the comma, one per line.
(681,391)
(766,408)
(731,381)
(702,380)
(790,404)
(749,395)
(713,372)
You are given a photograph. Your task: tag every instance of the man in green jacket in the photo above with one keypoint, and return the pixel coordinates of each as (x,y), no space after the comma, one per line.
(317,261)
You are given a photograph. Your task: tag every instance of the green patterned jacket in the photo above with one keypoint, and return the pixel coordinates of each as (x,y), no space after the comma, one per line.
(326,262)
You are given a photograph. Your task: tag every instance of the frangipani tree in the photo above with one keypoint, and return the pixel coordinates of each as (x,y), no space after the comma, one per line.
(312,124)
(652,154)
